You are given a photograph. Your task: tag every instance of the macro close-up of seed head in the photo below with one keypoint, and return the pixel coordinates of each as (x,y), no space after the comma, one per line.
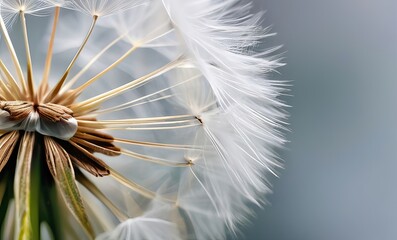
(135,119)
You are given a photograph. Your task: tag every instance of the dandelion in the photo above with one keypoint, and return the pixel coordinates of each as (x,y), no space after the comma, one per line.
(134,119)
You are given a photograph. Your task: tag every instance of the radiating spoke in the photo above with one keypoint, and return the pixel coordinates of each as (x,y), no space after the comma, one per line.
(145,99)
(92,103)
(154,144)
(166,120)
(131,185)
(135,46)
(81,178)
(11,80)
(159,161)
(28,57)
(91,63)
(13,54)
(60,83)
(47,66)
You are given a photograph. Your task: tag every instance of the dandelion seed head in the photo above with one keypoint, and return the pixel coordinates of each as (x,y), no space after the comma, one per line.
(155,121)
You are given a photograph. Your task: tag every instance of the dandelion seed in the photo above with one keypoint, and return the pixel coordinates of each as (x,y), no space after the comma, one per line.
(143,119)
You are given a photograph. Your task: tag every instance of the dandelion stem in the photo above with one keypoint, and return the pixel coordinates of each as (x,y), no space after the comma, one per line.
(47,66)
(60,83)
(35,190)
(28,56)
(22,187)
(50,205)
(13,54)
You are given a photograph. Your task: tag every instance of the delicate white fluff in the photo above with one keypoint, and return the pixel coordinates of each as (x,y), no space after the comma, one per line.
(143,228)
(221,36)
(142,25)
(212,190)
(58,3)
(105,7)
(152,225)
(10,8)
(27,6)
(221,39)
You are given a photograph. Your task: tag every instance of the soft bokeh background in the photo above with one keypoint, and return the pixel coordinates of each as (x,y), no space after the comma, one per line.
(340,177)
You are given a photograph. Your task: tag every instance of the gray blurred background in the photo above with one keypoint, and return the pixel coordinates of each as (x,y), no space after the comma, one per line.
(339,180)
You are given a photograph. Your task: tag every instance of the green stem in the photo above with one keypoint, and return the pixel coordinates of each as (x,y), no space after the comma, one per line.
(49,207)
(37,161)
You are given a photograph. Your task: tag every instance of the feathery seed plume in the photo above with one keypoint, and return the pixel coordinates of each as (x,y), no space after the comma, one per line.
(134,119)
